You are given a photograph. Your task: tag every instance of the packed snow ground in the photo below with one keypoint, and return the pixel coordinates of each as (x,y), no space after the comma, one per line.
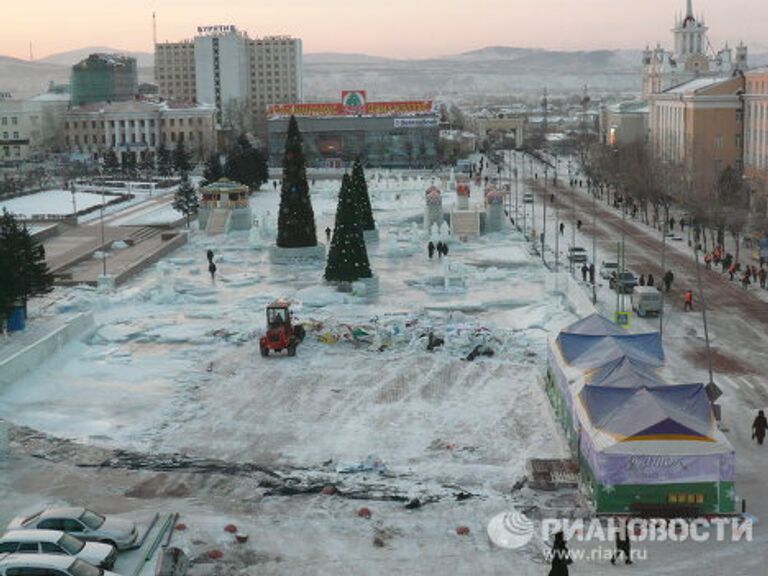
(174,367)
(51,202)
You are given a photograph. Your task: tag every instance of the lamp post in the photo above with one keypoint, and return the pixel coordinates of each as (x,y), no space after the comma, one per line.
(544,204)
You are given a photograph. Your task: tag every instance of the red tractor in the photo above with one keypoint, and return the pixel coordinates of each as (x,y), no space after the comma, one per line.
(281,334)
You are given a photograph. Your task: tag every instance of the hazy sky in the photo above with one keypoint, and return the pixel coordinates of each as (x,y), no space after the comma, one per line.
(398,28)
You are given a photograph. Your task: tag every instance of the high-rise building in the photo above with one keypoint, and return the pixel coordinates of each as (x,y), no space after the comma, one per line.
(692,57)
(102,78)
(239,75)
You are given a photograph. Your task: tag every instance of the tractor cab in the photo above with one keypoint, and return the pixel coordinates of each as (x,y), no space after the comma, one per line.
(281,333)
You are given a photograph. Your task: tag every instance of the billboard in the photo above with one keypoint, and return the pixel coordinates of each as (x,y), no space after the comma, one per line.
(353,103)
(429,122)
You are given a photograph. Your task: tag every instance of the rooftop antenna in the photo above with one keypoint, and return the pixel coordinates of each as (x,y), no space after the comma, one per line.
(31,55)
(154,29)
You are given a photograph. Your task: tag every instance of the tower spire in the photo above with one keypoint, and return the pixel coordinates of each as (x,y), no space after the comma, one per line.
(689,13)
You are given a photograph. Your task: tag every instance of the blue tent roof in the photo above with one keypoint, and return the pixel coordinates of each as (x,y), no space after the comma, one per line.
(592,351)
(625,372)
(671,412)
(594,325)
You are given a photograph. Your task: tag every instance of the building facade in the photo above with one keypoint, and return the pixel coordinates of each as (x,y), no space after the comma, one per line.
(699,127)
(756,130)
(139,128)
(102,78)
(32,126)
(239,75)
(624,123)
(691,58)
(383,134)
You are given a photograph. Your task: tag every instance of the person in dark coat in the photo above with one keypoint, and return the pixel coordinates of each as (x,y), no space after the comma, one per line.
(668,279)
(759,427)
(650,281)
(591,273)
(562,228)
(561,558)
(578,224)
(641,281)
(623,546)
(445,249)
(431,249)
(209,254)
(327,234)
(439,249)
(212,270)
(584,272)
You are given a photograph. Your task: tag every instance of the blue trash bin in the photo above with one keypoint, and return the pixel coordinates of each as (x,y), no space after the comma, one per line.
(16,320)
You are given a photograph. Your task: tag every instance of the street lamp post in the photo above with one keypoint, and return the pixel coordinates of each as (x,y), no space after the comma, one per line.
(544,204)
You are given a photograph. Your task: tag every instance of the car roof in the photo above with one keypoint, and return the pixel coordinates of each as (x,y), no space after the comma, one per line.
(31,536)
(62,513)
(37,560)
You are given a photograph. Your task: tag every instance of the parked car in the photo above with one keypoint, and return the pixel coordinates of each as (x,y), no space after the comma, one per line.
(646,300)
(607,269)
(528,198)
(83,523)
(48,565)
(577,254)
(623,282)
(57,542)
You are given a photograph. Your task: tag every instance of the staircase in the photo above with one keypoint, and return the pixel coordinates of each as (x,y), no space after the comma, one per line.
(217,222)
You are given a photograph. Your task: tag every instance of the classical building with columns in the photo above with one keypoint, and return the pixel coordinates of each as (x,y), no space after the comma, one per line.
(692,57)
(138,127)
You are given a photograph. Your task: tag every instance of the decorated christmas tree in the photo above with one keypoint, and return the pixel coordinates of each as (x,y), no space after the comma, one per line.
(347,258)
(296,219)
(360,194)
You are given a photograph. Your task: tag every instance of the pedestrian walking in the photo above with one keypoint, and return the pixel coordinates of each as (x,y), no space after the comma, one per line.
(328,234)
(431,249)
(551,198)
(578,225)
(623,546)
(708,261)
(682,224)
(561,557)
(212,270)
(745,279)
(274,184)
(731,271)
(668,279)
(445,249)
(688,301)
(591,273)
(439,249)
(759,427)
(762,274)
(209,254)
(562,228)
(672,223)
(641,281)
(584,272)
(651,281)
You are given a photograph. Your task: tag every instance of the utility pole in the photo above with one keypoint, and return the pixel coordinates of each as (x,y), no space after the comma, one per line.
(704,315)
(544,227)
(663,271)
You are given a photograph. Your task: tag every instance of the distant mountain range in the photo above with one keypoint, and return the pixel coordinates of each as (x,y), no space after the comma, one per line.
(494,71)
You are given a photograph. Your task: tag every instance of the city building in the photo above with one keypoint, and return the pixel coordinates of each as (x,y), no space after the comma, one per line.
(32,126)
(692,57)
(624,123)
(139,127)
(384,134)
(756,130)
(102,78)
(498,129)
(698,126)
(239,75)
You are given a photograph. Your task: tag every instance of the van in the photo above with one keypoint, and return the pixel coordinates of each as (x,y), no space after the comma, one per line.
(646,300)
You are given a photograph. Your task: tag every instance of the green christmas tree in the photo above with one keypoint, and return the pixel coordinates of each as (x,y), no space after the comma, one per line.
(185,200)
(347,257)
(296,218)
(213,170)
(181,162)
(362,199)
(111,163)
(246,164)
(164,160)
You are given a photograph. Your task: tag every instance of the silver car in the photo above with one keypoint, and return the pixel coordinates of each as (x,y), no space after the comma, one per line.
(56,542)
(83,523)
(22,564)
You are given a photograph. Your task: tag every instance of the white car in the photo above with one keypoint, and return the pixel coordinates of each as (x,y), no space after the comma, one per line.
(83,523)
(47,565)
(56,542)
(528,198)
(607,269)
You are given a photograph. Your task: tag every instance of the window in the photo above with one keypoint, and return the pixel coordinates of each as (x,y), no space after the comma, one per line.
(738,140)
(4,121)
(8,547)
(72,525)
(739,115)
(14,120)
(28,548)
(51,548)
(718,142)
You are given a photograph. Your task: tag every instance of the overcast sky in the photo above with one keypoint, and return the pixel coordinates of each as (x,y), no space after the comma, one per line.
(397,28)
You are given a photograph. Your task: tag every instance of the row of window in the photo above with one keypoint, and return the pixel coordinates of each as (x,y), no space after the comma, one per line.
(15,149)
(4,121)
(132,138)
(15,135)
(172,122)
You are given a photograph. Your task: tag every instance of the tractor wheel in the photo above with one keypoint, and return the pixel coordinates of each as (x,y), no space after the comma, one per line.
(300,333)
(264,350)
(292,349)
